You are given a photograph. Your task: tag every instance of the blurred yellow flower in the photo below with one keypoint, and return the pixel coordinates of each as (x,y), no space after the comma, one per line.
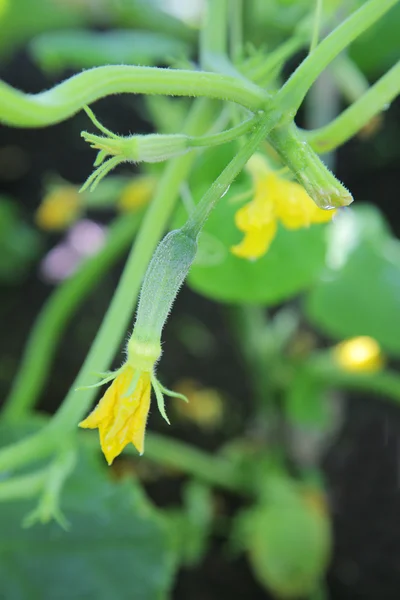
(204,407)
(275,199)
(138,193)
(359,355)
(59,208)
(121,414)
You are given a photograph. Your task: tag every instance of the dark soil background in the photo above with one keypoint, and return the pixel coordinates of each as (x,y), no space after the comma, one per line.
(362,467)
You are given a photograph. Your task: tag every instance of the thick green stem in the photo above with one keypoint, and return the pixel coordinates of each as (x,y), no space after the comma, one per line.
(220,186)
(225,136)
(236,29)
(316,25)
(358,114)
(214,32)
(119,313)
(382,383)
(350,80)
(292,93)
(142,14)
(251,331)
(214,469)
(67,98)
(266,68)
(49,326)
(322,105)
(25,486)
(213,56)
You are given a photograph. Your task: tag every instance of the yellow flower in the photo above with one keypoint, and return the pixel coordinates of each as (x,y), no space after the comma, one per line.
(59,208)
(121,414)
(359,355)
(204,407)
(275,199)
(138,193)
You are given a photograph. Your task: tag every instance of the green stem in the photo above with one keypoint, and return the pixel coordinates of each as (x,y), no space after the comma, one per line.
(251,328)
(292,93)
(316,25)
(215,470)
(39,351)
(25,486)
(67,98)
(358,114)
(142,14)
(214,32)
(350,80)
(322,105)
(225,136)
(220,186)
(213,55)
(236,30)
(119,313)
(262,72)
(384,383)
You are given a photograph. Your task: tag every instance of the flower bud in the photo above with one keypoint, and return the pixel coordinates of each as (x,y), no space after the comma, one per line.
(157,147)
(318,181)
(359,355)
(115,149)
(165,274)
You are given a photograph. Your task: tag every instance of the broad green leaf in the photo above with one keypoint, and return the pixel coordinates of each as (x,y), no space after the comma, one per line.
(377,49)
(359,293)
(292,263)
(288,539)
(117,545)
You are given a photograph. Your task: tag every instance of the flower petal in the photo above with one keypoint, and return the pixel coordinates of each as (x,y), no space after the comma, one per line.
(256,242)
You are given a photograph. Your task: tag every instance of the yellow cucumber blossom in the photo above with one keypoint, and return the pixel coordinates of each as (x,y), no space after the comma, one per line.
(59,208)
(121,414)
(359,355)
(275,200)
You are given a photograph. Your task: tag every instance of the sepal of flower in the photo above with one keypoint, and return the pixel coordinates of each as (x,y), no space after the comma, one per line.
(275,200)
(115,149)
(121,415)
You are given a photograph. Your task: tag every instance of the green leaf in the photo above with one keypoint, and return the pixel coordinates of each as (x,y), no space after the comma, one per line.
(377,49)
(289,540)
(117,545)
(292,263)
(359,293)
